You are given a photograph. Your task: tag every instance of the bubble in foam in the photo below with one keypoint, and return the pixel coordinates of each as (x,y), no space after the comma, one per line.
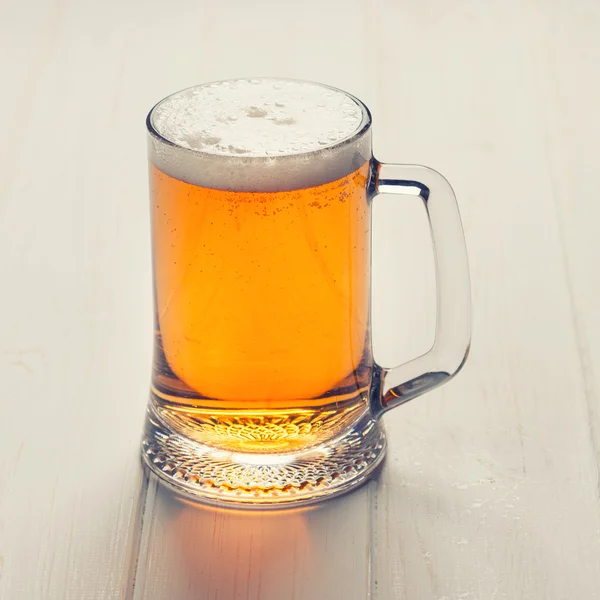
(239,122)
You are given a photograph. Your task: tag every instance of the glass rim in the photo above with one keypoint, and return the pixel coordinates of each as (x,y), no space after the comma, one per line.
(364,127)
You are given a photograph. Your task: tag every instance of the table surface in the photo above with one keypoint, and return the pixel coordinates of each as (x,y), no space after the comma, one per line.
(491,485)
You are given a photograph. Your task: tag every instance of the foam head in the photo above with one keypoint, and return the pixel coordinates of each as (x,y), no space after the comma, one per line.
(259,135)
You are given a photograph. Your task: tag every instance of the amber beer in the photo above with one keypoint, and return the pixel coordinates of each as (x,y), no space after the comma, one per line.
(262,310)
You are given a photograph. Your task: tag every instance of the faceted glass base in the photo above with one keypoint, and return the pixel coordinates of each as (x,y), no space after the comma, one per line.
(257,480)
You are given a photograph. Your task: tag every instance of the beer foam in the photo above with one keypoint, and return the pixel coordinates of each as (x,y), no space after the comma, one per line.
(259,134)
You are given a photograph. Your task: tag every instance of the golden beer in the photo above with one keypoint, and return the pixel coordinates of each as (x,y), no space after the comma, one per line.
(262,310)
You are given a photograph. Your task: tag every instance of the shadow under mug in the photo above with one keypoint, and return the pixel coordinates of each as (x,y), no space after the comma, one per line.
(264,389)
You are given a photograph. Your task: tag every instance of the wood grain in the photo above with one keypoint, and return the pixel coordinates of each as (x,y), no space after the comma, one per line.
(491,486)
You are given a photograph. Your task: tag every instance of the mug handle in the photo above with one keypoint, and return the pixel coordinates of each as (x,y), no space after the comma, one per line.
(392,387)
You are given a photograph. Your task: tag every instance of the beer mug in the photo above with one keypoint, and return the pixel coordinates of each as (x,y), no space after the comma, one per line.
(264,387)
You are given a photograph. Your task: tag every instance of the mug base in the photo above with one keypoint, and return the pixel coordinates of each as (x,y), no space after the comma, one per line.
(254,480)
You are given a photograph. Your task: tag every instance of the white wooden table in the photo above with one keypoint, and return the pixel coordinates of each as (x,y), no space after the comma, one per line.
(491,486)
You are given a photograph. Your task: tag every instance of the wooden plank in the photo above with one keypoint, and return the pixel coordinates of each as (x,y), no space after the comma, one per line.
(564,67)
(190,551)
(490,485)
(199,552)
(76,346)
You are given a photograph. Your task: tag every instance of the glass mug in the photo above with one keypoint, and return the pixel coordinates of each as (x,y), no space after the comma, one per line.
(264,388)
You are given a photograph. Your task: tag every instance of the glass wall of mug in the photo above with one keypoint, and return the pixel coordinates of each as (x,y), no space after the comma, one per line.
(261,230)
